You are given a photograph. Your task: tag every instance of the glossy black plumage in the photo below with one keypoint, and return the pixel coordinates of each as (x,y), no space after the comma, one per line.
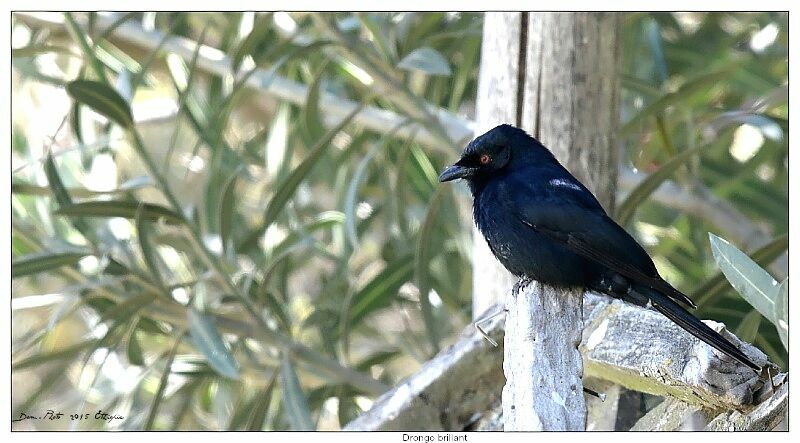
(542,223)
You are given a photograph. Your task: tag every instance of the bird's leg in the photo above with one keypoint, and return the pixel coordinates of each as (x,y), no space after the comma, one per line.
(478,323)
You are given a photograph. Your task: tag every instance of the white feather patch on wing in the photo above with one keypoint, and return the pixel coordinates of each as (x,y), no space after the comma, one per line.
(560,182)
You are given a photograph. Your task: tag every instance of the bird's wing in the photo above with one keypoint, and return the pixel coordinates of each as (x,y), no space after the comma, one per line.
(569,214)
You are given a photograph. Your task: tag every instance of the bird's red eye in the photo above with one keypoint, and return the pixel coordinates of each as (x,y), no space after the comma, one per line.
(485,159)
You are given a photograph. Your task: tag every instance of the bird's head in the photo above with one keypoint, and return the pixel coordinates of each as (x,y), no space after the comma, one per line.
(492,152)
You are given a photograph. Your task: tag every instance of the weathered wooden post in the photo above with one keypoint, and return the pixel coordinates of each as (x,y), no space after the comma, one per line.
(554,75)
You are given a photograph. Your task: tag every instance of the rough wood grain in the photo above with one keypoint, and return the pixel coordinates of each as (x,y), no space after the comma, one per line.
(462,382)
(542,365)
(674,415)
(765,417)
(643,350)
(572,93)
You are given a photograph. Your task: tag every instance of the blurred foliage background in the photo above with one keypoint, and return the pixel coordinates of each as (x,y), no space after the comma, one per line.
(210,239)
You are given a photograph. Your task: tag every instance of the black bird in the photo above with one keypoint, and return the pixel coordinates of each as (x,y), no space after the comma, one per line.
(542,223)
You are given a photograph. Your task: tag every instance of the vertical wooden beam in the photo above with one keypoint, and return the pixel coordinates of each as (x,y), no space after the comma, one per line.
(498,87)
(554,75)
(542,364)
(571,101)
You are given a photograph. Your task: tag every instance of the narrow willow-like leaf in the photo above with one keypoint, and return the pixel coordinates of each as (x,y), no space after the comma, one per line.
(748,328)
(25,188)
(118,208)
(385,46)
(295,404)
(692,86)
(424,253)
(103,99)
(227,206)
(782,313)
(378,292)
(639,194)
(54,181)
(128,308)
(287,188)
(133,348)
(68,353)
(752,282)
(34,50)
(248,45)
(41,262)
(351,195)
(714,286)
(81,39)
(255,421)
(162,384)
(427,60)
(209,342)
(149,253)
(314,125)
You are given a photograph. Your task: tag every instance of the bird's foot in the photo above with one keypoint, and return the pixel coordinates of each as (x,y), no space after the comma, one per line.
(521,284)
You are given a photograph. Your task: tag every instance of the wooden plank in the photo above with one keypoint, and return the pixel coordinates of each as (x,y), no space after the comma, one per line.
(542,365)
(448,393)
(651,353)
(643,350)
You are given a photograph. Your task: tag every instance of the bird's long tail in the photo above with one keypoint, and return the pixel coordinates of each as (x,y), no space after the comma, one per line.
(693,325)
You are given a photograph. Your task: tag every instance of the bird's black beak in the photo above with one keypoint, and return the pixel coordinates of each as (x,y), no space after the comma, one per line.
(455,171)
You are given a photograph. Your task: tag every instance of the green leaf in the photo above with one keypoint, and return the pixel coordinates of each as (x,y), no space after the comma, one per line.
(752,282)
(782,313)
(378,292)
(209,342)
(249,44)
(261,404)
(69,352)
(351,195)
(748,328)
(145,244)
(162,384)
(103,99)
(118,208)
(41,262)
(80,37)
(287,188)
(424,254)
(692,86)
(314,125)
(128,308)
(295,404)
(134,349)
(717,284)
(639,194)
(34,50)
(427,60)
